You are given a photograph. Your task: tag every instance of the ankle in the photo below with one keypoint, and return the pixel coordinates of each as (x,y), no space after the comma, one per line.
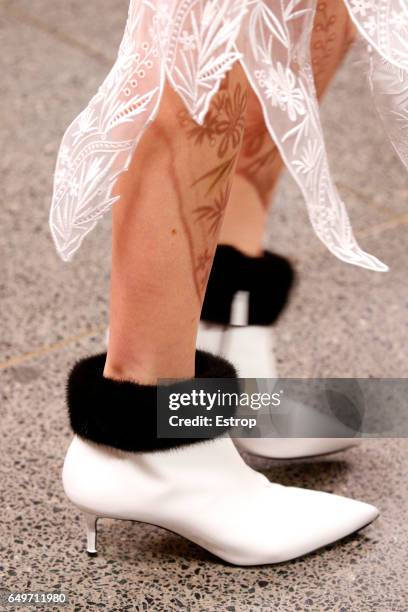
(148,369)
(128,372)
(245,218)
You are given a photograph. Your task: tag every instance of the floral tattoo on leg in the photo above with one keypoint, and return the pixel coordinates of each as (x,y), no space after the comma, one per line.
(222,133)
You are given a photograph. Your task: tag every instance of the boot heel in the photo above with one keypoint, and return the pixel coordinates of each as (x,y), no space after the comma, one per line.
(90,522)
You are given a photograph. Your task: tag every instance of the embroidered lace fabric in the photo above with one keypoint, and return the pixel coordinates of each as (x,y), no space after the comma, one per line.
(192,44)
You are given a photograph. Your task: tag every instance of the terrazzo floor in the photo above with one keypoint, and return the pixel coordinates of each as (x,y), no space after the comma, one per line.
(342,321)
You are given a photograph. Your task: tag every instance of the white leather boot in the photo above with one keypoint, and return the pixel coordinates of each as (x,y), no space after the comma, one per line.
(228,328)
(202,490)
(208,494)
(250,347)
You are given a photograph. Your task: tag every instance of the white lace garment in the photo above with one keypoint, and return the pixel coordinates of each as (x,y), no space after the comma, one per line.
(192,44)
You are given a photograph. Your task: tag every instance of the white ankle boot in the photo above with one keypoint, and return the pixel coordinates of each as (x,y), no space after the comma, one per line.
(251,349)
(206,493)
(118,467)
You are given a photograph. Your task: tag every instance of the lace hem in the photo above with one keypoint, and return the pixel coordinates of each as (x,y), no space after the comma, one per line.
(192,44)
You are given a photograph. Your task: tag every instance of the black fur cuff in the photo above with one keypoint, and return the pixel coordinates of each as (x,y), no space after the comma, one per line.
(268,280)
(123,415)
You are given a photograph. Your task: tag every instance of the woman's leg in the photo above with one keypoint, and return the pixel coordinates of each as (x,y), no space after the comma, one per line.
(260,165)
(165,231)
(167,225)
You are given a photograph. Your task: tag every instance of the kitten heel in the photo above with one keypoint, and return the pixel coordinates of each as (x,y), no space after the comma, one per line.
(90,522)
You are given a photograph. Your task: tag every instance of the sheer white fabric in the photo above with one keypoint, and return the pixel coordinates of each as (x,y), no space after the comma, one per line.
(384,23)
(192,44)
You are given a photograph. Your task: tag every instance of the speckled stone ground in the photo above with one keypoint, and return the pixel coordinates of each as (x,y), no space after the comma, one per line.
(342,321)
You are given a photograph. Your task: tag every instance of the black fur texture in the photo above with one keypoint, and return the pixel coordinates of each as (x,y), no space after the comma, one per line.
(123,415)
(268,280)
